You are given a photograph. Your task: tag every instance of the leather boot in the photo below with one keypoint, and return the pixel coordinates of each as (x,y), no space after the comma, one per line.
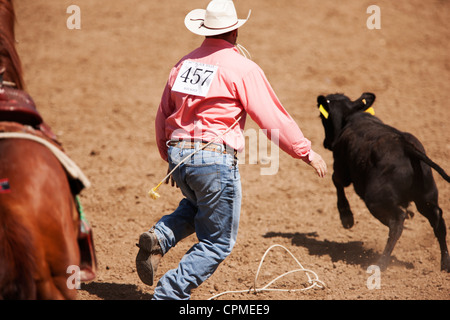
(148,257)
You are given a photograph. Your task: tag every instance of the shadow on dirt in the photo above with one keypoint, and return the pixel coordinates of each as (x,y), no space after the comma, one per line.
(352,252)
(115,291)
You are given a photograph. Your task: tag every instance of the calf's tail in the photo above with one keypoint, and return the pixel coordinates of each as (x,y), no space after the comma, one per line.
(415,152)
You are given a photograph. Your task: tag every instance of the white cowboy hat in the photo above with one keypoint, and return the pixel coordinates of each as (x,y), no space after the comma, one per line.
(219,17)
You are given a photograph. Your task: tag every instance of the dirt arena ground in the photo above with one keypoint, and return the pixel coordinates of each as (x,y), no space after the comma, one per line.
(99,88)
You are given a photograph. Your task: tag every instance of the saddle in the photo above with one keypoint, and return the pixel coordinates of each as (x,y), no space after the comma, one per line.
(17,106)
(18,113)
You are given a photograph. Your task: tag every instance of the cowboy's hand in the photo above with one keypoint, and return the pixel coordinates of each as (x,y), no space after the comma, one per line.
(319,165)
(170,178)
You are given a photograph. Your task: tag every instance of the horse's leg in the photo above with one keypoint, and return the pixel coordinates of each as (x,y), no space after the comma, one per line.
(55,288)
(56,221)
(53,284)
(48,291)
(70,230)
(63,251)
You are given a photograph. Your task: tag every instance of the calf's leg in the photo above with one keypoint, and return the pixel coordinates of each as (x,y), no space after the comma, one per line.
(345,212)
(433,213)
(394,218)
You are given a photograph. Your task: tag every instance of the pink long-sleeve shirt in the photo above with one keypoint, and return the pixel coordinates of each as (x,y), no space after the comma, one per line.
(210,88)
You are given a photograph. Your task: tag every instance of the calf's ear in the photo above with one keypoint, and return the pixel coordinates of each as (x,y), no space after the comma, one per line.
(322,104)
(321,100)
(365,101)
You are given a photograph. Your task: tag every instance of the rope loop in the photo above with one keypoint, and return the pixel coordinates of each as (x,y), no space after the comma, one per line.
(313,279)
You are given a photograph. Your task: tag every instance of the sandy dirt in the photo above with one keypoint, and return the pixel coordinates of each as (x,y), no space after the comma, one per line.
(99,88)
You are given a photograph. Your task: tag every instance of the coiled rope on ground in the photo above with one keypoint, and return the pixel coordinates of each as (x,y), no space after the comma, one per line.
(313,279)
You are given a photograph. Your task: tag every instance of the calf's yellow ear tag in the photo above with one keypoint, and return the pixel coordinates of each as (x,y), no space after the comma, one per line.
(369,110)
(323,111)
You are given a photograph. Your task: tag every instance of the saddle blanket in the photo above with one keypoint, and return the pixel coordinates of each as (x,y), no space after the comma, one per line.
(71,168)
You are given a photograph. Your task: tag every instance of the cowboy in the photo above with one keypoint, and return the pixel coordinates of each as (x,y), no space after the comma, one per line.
(209,93)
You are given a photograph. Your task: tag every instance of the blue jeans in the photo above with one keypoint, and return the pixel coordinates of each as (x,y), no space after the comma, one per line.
(211,184)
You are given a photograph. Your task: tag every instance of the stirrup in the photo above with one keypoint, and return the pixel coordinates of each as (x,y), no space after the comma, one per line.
(88,259)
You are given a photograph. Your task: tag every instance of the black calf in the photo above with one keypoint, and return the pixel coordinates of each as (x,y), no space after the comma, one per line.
(388,169)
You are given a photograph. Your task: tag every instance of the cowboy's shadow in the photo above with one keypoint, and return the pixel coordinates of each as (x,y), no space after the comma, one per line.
(351,252)
(115,291)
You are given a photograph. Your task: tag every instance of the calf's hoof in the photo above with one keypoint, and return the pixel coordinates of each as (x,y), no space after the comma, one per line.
(445,263)
(347,220)
(383,262)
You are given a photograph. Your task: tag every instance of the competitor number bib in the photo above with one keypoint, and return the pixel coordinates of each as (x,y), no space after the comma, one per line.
(195,78)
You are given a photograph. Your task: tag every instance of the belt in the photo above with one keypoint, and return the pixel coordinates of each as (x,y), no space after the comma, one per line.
(215,147)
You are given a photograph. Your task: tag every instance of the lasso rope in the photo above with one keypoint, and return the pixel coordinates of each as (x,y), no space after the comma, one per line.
(313,281)
(243,51)
(153,193)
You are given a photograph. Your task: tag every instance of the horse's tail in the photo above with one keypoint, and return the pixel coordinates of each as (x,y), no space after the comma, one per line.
(17,260)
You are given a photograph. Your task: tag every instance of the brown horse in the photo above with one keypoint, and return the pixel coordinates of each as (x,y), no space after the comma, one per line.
(39,220)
